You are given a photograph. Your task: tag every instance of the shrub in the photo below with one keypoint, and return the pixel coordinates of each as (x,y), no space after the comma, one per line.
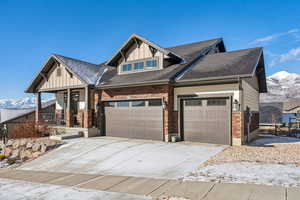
(29,130)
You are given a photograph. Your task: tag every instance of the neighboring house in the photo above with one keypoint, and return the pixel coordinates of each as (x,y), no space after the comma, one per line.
(270,113)
(278,112)
(13,117)
(198,91)
(291,107)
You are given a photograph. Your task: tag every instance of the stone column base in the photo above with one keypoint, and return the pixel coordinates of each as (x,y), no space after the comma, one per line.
(87,122)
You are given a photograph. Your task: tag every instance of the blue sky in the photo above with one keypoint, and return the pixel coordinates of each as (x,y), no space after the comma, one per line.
(92,30)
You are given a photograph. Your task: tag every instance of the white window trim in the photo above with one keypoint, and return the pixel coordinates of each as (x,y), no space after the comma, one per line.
(140,70)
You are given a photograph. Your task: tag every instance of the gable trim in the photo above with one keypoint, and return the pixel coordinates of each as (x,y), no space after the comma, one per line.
(136,39)
(41,74)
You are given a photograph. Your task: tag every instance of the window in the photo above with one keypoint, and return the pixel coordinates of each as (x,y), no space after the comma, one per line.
(139,66)
(127,67)
(155,102)
(151,63)
(193,102)
(58,71)
(216,102)
(123,104)
(137,103)
(109,104)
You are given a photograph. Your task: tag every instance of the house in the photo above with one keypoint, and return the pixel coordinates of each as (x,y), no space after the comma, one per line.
(292,107)
(270,113)
(13,117)
(278,112)
(197,92)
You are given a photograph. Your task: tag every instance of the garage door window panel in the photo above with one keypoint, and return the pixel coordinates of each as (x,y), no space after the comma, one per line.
(123,104)
(216,102)
(193,102)
(138,103)
(155,102)
(109,104)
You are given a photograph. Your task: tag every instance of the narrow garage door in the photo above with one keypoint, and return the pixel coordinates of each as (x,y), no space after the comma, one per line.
(140,119)
(207,120)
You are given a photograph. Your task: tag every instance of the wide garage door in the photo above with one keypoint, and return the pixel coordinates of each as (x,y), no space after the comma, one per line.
(207,120)
(140,119)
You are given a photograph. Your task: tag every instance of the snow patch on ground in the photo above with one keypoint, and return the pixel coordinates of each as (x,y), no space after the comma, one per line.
(246,172)
(21,190)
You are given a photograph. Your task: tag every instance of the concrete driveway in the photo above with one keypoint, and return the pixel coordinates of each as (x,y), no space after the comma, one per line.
(125,157)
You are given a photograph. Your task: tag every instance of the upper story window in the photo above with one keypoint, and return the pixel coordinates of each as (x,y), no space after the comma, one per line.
(151,63)
(141,65)
(127,67)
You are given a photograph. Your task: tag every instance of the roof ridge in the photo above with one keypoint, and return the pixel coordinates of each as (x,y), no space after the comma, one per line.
(240,50)
(54,54)
(180,45)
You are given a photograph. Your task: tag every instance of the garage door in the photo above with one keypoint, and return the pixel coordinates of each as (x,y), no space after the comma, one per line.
(140,119)
(207,120)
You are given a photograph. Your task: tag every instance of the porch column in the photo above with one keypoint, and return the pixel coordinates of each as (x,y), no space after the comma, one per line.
(87,122)
(38,108)
(68,110)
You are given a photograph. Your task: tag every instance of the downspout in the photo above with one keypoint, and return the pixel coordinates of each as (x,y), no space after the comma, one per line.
(241,99)
(248,125)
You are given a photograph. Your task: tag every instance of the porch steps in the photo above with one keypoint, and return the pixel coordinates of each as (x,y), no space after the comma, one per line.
(62,133)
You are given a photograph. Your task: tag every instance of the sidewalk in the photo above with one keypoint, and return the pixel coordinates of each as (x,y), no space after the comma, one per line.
(157,187)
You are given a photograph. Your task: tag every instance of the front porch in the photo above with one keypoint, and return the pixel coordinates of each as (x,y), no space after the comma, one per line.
(72,109)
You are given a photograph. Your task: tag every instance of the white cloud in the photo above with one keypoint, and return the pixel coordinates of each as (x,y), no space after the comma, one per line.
(275,59)
(273,36)
(290,55)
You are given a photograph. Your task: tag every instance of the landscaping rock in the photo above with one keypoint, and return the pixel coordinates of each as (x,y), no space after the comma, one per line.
(29,145)
(23,142)
(43,148)
(36,147)
(9,143)
(15,153)
(36,154)
(16,144)
(19,150)
(7,151)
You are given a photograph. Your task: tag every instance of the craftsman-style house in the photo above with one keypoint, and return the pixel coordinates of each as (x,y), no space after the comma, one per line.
(196,92)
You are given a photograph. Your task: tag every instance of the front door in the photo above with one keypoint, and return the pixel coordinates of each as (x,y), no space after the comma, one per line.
(74,107)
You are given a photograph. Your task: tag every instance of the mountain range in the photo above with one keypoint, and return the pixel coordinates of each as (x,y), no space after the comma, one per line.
(27,102)
(282,87)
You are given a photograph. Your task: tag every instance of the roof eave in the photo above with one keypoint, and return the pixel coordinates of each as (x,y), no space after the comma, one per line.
(146,83)
(232,77)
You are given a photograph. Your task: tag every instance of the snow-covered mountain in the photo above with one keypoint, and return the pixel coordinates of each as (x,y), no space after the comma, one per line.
(282,86)
(27,102)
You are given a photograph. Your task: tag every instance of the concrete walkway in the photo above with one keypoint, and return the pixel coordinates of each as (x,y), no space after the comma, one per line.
(156,187)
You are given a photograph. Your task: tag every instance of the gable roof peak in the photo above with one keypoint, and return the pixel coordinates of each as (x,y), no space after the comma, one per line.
(137,38)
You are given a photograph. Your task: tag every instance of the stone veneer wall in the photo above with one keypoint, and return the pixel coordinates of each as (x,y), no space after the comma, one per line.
(237,128)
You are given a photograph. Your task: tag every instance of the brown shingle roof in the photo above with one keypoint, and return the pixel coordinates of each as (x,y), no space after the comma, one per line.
(234,63)
(190,52)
